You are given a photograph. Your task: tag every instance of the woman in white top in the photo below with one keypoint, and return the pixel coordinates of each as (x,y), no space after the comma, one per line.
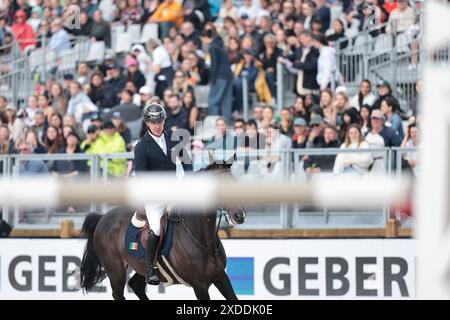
(412,140)
(358,163)
(365,95)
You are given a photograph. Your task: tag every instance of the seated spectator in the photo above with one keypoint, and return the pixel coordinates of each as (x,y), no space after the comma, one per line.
(146,95)
(258,115)
(168,14)
(80,106)
(43,35)
(109,141)
(100,93)
(53,141)
(329,139)
(133,72)
(36,18)
(7,144)
(365,95)
(88,8)
(389,107)
(221,141)
(69,168)
(401,18)
(364,113)
(228,10)
(349,117)
(83,76)
(384,90)
(254,139)
(285,122)
(189,104)
(58,98)
(133,13)
(101,30)
(30,167)
(128,110)
(381,136)
(131,87)
(268,118)
(32,138)
(39,123)
(70,121)
(234,50)
(177,117)
(15,124)
(85,26)
(23,32)
(358,163)
(56,120)
(300,134)
(121,127)
(181,84)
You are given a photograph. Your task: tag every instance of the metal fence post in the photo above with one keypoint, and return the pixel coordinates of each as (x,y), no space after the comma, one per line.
(245,94)
(280,89)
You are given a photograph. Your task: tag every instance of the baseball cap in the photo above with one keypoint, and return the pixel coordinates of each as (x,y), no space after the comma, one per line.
(383,83)
(92,128)
(145,90)
(116,114)
(108,125)
(378,114)
(315,120)
(300,122)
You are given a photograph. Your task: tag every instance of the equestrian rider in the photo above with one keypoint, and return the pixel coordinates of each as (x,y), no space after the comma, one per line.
(153,153)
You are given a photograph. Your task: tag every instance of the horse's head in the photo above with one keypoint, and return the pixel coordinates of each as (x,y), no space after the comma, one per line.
(235,214)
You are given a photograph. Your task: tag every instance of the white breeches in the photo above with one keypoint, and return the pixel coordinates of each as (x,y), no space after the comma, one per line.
(154,212)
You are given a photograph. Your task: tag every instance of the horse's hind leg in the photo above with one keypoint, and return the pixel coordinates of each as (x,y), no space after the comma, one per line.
(201,292)
(117,274)
(223,283)
(137,284)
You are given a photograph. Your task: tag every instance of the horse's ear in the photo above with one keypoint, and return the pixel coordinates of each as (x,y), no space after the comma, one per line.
(211,158)
(230,161)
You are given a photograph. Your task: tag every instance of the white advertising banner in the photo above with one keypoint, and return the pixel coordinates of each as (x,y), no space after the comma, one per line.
(258,269)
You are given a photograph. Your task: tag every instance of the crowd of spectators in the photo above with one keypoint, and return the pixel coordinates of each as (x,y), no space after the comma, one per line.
(209,43)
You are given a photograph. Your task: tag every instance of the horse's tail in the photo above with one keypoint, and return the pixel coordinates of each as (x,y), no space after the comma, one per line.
(91,271)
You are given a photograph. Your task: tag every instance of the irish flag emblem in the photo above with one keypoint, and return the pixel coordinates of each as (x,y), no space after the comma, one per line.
(133,246)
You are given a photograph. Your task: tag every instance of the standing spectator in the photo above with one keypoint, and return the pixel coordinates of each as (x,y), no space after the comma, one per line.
(304,63)
(60,40)
(168,14)
(269,60)
(23,32)
(338,36)
(390,108)
(161,66)
(365,95)
(246,65)
(101,30)
(401,18)
(177,118)
(220,96)
(323,13)
(327,73)
(358,163)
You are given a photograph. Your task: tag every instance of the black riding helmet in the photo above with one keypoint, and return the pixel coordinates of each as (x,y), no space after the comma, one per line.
(154,112)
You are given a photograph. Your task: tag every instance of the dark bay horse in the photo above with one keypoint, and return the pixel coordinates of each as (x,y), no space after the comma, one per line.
(197,254)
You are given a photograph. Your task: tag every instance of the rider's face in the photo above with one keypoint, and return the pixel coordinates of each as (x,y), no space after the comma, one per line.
(156,127)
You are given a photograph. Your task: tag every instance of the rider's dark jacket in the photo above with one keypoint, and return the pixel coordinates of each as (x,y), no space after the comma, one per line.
(148,156)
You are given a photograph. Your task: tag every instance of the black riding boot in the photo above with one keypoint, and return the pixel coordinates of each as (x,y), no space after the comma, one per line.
(152,273)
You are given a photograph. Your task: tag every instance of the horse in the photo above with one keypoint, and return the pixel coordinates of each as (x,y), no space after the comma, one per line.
(197,254)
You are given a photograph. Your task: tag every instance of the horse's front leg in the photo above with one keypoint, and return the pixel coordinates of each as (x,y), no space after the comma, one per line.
(201,292)
(223,283)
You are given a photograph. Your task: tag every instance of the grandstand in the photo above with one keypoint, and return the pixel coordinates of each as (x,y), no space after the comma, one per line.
(324,88)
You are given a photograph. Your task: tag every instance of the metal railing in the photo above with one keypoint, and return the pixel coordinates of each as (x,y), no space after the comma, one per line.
(249,165)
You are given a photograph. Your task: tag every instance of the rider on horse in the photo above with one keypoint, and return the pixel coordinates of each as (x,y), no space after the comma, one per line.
(153,153)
